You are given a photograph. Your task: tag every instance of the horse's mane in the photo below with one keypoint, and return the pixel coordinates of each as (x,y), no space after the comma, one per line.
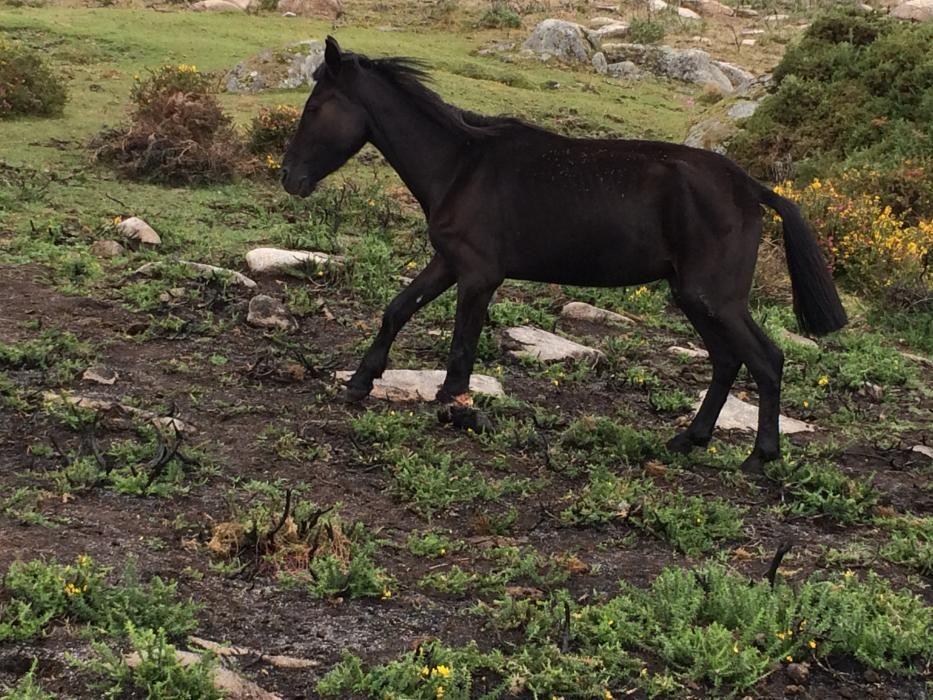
(410,75)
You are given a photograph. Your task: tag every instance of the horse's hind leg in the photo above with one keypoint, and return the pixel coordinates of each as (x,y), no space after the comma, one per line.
(725,368)
(430,282)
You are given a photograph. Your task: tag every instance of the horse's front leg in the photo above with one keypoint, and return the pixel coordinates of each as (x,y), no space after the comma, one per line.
(427,286)
(473,297)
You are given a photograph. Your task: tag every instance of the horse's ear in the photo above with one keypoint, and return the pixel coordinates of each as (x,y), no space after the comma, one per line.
(332,55)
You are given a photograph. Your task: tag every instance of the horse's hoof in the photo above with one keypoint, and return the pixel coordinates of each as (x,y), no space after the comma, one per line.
(754,464)
(355,394)
(683,442)
(465,418)
(461,398)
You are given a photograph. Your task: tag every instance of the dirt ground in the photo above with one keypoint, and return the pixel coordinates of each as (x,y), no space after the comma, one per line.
(168,536)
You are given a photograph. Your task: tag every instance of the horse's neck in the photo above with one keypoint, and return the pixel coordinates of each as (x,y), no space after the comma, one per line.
(423,152)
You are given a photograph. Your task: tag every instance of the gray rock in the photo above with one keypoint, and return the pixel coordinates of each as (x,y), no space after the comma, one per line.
(687,65)
(923,450)
(743,109)
(748,42)
(745,12)
(581,311)
(625,70)
(709,8)
(739,77)
(268,312)
(204,269)
(599,63)
(616,30)
(600,22)
(566,41)
(656,5)
(712,134)
(135,229)
(215,6)
(739,415)
(916,358)
(101,375)
(687,13)
(691,352)
(799,339)
(106,249)
(776,18)
(915,10)
(328,9)
(277,69)
(422,384)
(275,260)
(526,341)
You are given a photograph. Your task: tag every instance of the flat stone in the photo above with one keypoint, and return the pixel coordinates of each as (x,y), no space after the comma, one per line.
(202,268)
(600,22)
(215,6)
(923,449)
(269,312)
(232,685)
(739,415)
(917,358)
(106,249)
(745,12)
(657,5)
(687,13)
(136,229)
(743,109)
(528,341)
(616,30)
(748,42)
(422,384)
(776,18)
(599,63)
(107,406)
(692,352)
(581,311)
(275,260)
(100,375)
(799,339)
(709,7)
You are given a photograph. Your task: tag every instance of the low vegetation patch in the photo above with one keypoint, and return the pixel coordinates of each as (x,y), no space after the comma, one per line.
(29,86)
(178,132)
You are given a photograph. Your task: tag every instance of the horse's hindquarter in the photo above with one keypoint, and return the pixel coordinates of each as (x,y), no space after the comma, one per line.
(583,212)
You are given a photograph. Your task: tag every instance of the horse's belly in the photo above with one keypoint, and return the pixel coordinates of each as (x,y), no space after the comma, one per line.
(613,260)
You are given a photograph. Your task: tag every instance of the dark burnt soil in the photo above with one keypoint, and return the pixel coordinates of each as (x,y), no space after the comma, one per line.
(230,404)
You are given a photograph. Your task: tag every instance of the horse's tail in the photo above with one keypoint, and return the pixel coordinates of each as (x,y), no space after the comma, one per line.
(816,301)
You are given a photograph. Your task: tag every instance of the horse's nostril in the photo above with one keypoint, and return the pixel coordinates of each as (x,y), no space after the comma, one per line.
(284,173)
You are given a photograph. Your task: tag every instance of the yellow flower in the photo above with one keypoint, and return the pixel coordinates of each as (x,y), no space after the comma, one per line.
(442,671)
(712,450)
(806,404)
(84,560)
(780,635)
(71,589)
(439,693)
(443,551)
(849,573)
(789,659)
(425,671)
(607,695)
(812,644)
(386,594)
(823,380)
(555,382)
(735,648)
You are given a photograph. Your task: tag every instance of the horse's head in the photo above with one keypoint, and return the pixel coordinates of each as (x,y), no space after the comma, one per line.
(332,127)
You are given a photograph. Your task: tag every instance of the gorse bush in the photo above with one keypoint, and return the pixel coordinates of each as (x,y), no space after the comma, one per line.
(39,593)
(864,240)
(270,131)
(178,134)
(855,91)
(28,85)
(646,31)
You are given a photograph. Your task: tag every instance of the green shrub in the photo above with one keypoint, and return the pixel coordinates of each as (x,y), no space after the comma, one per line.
(271,130)
(28,85)
(158,674)
(855,91)
(646,31)
(499,16)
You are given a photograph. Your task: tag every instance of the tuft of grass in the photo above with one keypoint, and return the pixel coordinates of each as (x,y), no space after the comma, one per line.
(821,488)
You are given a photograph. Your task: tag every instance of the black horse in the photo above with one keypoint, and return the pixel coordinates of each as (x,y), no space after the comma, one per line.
(506,199)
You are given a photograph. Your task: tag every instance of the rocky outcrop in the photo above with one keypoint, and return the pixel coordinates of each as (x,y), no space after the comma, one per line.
(277,69)
(687,65)
(565,41)
(916,10)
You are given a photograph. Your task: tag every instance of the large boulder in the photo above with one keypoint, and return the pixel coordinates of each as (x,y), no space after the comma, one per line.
(277,69)
(215,6)
(916,10)
(566,41)
(687,65)
(709,8)
(328,9)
